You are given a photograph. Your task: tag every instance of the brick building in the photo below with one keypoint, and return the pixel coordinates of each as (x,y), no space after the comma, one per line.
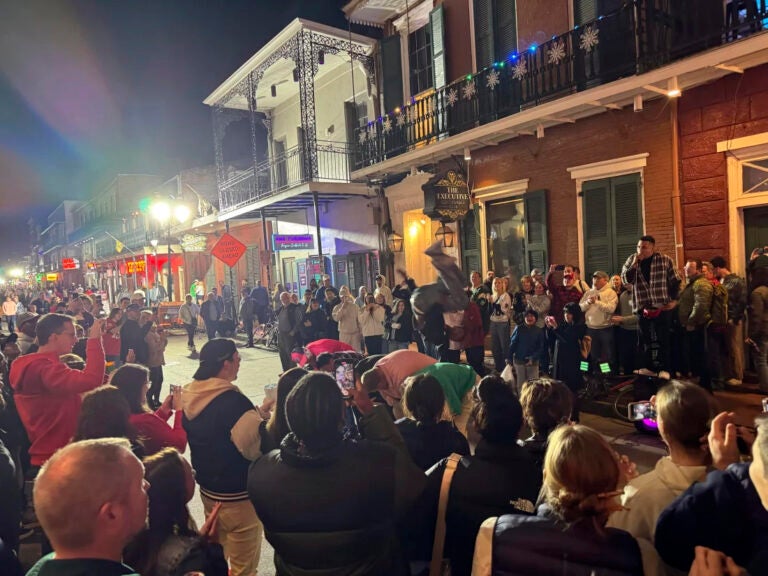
(579,125)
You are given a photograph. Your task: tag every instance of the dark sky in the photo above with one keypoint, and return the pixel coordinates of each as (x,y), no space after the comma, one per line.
(92,88)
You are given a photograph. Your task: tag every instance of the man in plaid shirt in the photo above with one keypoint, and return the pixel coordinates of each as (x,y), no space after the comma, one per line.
(655,288)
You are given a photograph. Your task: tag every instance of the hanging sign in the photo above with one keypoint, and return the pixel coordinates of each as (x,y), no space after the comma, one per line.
(69,264)
(446,196)
(135,266)
(229,250)
(194,242)
(293,242)
(51,277)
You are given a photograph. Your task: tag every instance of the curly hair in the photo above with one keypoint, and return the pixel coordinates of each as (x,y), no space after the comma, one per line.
(546,403)
(496,414)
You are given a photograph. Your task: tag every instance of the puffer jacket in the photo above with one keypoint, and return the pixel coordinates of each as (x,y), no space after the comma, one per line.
(515,544)
(335,513)
(695,302)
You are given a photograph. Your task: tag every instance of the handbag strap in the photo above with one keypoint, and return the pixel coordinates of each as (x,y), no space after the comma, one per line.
(435,566)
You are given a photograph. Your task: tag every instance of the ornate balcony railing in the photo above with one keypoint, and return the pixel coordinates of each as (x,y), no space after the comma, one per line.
(286,170)
(635,39)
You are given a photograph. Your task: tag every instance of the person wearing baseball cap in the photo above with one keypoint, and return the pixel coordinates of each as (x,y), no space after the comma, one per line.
(25,326)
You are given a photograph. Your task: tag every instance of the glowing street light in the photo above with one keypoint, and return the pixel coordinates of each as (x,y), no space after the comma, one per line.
(16,272)
(164,211)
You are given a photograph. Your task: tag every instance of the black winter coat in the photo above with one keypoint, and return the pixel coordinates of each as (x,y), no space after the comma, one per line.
(430,443)
(335,513)
(525,545)
(497,480)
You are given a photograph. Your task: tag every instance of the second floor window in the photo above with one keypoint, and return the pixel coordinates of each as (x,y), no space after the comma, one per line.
(420,60)
(495,31)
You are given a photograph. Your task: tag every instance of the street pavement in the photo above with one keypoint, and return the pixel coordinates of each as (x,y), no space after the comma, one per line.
(260,367)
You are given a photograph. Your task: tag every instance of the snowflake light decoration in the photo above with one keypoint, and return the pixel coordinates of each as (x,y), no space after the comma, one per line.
(386,125)
(492,80)
(556,54)
(469,90)
(362,136)
(453,97)
(520,69)
(400,120)
(588,39)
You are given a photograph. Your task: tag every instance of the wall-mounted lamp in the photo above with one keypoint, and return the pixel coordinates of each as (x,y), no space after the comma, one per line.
(395,242)
(445,234)
(467,154)
(638,103)
(540,131)
(273,90)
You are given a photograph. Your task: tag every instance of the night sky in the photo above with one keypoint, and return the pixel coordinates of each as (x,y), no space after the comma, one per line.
(92,88)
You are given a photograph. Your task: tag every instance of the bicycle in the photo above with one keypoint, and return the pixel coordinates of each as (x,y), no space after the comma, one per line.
(265,335)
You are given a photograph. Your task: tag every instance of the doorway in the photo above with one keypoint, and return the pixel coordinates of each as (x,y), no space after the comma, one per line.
(755,228)
(419,235)
(290,283)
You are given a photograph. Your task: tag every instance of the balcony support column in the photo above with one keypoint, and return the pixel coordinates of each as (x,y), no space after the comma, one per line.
(307,66)
(316,205)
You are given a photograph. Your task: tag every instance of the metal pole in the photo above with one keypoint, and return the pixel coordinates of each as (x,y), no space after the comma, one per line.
(170,270)
(231,282)
(316,204)
(266,249)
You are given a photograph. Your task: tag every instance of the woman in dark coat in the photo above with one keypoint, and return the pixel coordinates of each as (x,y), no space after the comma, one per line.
(583,478)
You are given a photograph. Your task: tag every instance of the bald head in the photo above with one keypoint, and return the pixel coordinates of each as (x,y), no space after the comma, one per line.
(91,496)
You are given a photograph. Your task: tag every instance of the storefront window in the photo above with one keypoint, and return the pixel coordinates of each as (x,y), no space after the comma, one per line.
(505,229)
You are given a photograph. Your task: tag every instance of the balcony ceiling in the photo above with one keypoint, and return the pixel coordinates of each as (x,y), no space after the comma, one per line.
(376,12)
(694,71)
(281,73)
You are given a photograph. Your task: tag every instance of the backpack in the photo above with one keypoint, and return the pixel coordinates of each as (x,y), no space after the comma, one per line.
(719,310)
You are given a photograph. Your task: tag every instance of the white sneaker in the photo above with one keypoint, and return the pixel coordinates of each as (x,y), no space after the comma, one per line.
(646,372)
(664,375)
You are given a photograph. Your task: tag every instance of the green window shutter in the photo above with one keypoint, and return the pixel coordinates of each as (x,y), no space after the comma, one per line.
(437,24)
(484,33)
(584,11)
(596,215)
(627,217)
(536,230)
(505,35)
(392,73)
(470,243)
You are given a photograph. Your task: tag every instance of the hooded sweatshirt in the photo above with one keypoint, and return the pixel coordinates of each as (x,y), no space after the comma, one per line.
(48,396)
(222,428)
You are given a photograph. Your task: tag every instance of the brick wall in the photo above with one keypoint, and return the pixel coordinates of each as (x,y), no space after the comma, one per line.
(538,21)
(732,107)
(613,134)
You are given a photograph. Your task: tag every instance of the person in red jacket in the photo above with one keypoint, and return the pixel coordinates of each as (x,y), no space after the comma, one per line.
(47,391)
(152,427)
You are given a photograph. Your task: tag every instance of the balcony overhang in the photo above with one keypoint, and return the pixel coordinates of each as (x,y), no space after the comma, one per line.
(297,198)
(690,72)
(273,65)
(376,13)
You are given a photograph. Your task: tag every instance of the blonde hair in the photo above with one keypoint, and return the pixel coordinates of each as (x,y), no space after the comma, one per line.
(581,474)
(502,290)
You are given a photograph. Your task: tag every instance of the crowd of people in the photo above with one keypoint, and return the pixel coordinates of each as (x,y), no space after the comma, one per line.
(378,459)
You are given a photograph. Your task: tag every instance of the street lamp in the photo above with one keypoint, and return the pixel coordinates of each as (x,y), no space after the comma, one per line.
(164,212)
(445,234)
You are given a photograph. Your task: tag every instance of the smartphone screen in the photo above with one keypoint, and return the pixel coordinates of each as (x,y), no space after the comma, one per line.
(345,377)
(641,411)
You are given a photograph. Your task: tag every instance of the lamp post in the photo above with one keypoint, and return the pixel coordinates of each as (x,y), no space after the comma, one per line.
(165,212)
(153,242)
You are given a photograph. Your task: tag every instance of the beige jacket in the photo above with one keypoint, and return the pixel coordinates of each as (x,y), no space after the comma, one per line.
(645,498)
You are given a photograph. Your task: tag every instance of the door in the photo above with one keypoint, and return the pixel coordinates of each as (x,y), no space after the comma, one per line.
(755,228)
(278,162)
(505,231)
(290,281)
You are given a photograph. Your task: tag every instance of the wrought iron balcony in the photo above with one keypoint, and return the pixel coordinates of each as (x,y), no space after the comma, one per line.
(635,39)
(324,162)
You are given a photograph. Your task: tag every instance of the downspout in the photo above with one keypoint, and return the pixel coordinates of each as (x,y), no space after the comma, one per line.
(677,206)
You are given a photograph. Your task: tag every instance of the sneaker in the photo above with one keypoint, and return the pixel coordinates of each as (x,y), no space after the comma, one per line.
(664,375)
(733,382)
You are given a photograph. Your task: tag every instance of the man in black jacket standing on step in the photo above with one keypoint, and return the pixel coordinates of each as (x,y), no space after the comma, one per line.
(288,324)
